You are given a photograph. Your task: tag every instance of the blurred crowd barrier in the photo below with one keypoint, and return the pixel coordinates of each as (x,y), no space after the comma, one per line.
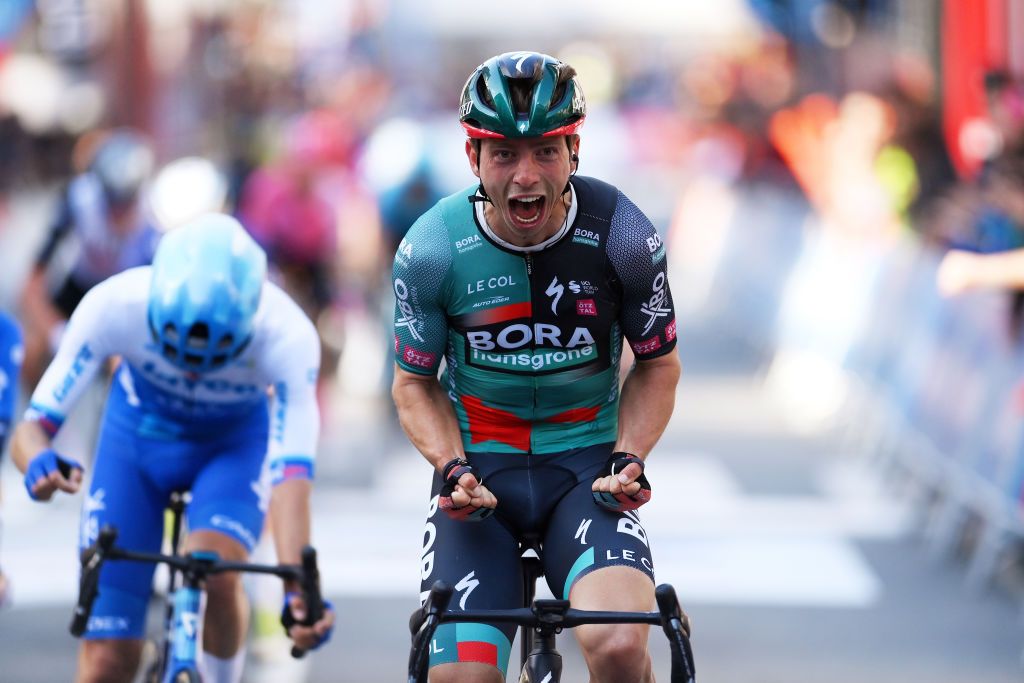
(859,340)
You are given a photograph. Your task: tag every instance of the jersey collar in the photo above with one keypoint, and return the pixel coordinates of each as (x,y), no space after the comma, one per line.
(570,218)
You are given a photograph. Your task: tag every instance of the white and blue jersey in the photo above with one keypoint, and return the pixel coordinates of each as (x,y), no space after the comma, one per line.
(11,353)
(225,435)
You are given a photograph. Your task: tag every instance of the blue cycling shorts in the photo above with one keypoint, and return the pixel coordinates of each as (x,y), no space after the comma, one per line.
(544,496)
(134,473)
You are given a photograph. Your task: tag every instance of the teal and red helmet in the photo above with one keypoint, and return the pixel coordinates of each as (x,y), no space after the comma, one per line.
(555,105)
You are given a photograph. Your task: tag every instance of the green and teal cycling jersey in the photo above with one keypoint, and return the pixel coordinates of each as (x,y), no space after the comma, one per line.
(532,338)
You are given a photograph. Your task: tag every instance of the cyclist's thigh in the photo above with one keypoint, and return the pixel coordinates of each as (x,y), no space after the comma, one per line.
(228,493)
(121,495)
(582,537)
(481,561)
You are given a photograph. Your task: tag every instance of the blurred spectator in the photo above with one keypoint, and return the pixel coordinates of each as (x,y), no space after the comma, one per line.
(11,351)
(101,228)
(402,204)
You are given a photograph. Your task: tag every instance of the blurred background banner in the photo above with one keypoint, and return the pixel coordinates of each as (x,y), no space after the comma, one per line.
(840,489)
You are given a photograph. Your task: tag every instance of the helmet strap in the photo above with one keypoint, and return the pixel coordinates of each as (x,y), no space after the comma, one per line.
(480,195)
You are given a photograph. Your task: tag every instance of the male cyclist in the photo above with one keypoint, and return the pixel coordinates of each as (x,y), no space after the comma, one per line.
(203,337)
(526,286)
(100,228)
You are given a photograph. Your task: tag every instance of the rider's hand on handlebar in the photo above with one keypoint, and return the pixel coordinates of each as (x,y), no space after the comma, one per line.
(306,637)
(50,472)
(622,484)
(464,496)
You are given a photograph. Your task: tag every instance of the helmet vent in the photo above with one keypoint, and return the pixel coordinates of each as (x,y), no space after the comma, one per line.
(198,336)
(483,93)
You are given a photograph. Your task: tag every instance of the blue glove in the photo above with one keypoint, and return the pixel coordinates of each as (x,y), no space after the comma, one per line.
(46,462)
(288,619)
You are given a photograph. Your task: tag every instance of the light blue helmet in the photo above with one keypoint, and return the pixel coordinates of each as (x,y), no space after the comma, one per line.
(207,279)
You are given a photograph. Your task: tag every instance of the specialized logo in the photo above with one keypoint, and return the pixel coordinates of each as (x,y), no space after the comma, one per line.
(555,290)
(407,317)
(468,583)
(468,243)
(656,307)
(581,533)
(588,237)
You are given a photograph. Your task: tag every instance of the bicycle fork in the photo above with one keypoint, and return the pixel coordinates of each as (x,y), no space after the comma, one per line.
(544,663)
(185,645)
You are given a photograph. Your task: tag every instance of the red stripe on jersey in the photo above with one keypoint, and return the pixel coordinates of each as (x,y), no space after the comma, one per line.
(576,415)
(501,314)
(476,651)
(493,424)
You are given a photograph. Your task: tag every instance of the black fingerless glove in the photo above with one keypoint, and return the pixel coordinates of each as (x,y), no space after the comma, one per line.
(620,502)
(452,472)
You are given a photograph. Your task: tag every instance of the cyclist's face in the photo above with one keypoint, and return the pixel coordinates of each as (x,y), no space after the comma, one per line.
(524,177)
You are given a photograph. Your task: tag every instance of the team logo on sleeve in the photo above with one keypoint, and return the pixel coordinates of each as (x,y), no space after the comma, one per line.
(419,359)
(404,253)
(656,247)
(646,346)
(657,306)
(406,317)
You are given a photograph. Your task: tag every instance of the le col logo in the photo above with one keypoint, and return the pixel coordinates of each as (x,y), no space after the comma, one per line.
(490,283)
(468,243)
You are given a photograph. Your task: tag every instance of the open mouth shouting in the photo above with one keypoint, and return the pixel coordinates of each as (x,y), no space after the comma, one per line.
(527,210)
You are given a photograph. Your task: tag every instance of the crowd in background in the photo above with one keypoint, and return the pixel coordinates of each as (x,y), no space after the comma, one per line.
(328,130)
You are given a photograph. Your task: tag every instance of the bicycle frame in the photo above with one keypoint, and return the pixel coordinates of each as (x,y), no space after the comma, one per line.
(182,653)
(547,618)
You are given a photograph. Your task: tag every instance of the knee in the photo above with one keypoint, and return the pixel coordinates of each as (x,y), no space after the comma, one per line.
(224,588)
(616,653)
(108,663)
(465,672)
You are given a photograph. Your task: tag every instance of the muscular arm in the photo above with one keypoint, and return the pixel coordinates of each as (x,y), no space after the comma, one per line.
(290,518)
(648,397)
(961,271)
(427,417)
